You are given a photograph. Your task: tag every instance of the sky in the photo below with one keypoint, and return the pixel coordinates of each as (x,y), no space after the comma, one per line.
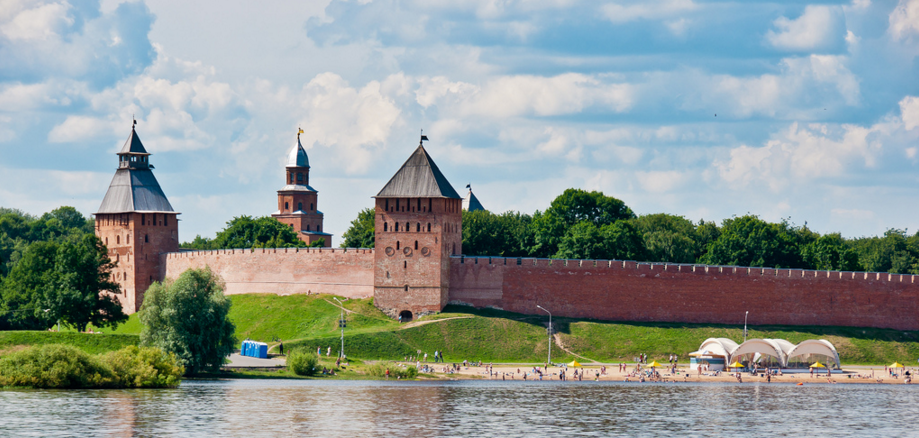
(786,110)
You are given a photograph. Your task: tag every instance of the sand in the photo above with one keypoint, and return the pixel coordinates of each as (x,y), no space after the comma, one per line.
(683,374)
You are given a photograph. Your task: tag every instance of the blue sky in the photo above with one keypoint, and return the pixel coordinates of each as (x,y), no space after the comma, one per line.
(700,109)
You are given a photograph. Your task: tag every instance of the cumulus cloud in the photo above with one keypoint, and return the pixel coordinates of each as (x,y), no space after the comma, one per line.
(818,28)
(57,39)
(816,151)
(904,20)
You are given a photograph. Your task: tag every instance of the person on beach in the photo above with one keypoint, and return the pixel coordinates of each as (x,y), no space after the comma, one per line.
(318,351)
(425,357)
(328,352)
(281,346)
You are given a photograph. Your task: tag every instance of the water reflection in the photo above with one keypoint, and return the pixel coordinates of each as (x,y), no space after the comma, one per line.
(278,407)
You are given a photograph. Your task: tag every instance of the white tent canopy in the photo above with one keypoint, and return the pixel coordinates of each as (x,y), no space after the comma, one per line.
(814,346)
(780,349)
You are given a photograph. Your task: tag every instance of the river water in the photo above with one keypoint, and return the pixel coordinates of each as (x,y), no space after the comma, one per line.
(465,408)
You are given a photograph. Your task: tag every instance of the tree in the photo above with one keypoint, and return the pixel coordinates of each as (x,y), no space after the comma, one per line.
(361,232)
(668,238)
(830,253)
(619,240)
(189,317)
(894,253)
(69,282)
(751,241)
(246,232)
(488,234)
(569,208)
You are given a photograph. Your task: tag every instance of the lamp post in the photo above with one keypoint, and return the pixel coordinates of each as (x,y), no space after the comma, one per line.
(549,331)
(341,323)
(745,325)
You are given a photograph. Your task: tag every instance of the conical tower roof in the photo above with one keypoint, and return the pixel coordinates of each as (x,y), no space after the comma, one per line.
(133,145)
(419,177)
(471,203)
(297,156)
(134,188)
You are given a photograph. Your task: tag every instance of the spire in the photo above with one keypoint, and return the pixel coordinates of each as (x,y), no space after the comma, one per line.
(134,188)
(297,156)
(419,177)
(133,145)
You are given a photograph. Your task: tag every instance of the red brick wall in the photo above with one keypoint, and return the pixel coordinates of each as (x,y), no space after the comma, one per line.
(629,291)
(283,271)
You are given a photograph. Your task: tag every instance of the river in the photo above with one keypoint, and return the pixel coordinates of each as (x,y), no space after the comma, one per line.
(249,408)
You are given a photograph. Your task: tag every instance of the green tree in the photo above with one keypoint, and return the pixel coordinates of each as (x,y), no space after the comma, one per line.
(668,238)
(830,252)
(361,232)
(751,241)
(572,207)
(69,282)
(488,234)
(619,241)
(894,252)
(248,232)
(189,317)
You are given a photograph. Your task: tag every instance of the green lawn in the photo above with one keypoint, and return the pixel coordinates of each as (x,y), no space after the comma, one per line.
(310,321)
(93,344)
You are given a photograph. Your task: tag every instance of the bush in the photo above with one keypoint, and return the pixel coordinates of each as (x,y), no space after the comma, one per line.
(144,367)
(54,366)
(303,363)
(395,370)
(64,366)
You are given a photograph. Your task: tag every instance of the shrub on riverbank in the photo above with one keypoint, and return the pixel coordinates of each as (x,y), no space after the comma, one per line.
(64,366)
(395,371)
(303,363)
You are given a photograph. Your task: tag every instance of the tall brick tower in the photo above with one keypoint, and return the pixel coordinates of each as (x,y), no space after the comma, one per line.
(418,224)
(298,204)
(136,223)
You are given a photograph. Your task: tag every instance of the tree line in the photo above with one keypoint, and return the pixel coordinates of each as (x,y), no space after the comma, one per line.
(581,224)
(54,269)
(247,232)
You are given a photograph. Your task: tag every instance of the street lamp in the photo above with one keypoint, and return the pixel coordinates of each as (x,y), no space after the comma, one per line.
(745,325)
(342,324)
(549,331)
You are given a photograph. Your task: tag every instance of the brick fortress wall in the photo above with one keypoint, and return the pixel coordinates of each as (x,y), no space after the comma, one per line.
(282,271)
(630,291)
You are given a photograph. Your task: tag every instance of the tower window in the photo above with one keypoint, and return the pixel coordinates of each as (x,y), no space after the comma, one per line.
(385,226)
(419,204)
(117,240)
(291,178)
(286,206)
(430,208)
(319,228)
(406,288)
(397,244)
(397,227)
(300,206)
(307,228)
(166,220)
(397,205)
(416,245)
(407,226)
(299,177)
(405,265)
(106,241)
(154,219)
(311,206)
(143,219)
(418,227)
(146,239)
(429,227)
(127,239)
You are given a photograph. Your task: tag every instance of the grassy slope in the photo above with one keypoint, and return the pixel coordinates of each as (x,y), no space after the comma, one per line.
(490,335)
(93,344)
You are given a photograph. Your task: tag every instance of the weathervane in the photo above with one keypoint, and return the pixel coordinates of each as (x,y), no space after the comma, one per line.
(423,138)
(299,131)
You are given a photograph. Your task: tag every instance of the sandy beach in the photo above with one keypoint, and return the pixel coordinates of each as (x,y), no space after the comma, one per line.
(683,374)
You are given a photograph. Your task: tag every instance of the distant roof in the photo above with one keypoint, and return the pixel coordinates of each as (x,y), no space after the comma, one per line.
(297,156)
(419,177)
(471,203)
(133,145)
(298,188)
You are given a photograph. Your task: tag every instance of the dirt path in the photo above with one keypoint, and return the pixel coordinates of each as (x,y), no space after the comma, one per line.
(558,341)
(418,323)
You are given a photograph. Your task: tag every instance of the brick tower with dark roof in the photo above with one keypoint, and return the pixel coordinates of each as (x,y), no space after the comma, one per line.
(418,226)
(136,223)
(298,202)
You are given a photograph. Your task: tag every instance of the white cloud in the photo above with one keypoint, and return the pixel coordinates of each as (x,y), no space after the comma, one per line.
(819,27)
(909,110)
(904,19)
(652,10)
(42,22)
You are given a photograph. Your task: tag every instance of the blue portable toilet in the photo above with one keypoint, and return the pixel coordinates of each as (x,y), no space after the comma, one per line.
(261,350)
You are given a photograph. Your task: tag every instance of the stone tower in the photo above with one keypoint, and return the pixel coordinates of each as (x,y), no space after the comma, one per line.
(136,223)
(418,226)
(298,202)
